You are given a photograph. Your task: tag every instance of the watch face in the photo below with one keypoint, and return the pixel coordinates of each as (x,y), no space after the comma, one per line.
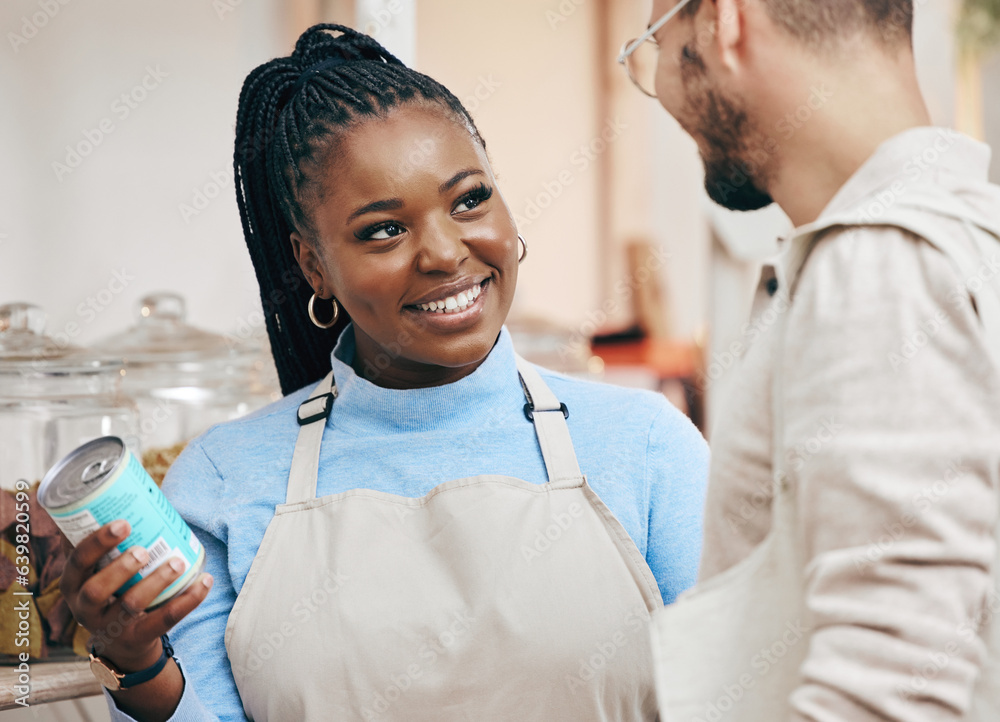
(104,675)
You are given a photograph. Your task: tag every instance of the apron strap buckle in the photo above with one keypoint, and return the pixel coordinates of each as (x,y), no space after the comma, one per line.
(529,411)
(311,407)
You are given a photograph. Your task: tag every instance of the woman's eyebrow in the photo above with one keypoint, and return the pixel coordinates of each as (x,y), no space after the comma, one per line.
(390,204)
(394,204)
(457,178)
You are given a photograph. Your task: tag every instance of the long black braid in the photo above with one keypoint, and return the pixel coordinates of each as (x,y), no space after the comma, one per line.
(292,113)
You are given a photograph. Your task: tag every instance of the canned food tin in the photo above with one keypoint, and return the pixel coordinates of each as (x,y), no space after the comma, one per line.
(102,481)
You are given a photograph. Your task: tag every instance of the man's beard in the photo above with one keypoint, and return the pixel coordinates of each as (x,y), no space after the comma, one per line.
(731,178)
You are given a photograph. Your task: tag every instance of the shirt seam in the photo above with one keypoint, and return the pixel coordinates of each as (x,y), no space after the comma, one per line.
(648,482)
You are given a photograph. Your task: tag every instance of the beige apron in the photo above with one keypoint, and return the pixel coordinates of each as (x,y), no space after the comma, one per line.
(490,598)
(704,643)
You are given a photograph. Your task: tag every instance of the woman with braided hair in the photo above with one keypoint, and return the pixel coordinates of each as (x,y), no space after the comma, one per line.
(426,527)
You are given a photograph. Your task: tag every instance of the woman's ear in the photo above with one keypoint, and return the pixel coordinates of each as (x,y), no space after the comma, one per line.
(309,261)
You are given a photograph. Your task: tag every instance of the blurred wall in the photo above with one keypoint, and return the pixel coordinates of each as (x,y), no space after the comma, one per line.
(991,103)
(116,136)
(104,198)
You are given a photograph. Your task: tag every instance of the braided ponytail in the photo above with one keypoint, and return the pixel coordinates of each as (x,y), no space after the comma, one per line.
(291,113)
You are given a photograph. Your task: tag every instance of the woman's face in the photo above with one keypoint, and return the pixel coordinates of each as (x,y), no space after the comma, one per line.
(415,242)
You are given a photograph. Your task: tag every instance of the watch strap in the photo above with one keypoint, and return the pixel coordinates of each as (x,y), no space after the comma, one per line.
(133,679)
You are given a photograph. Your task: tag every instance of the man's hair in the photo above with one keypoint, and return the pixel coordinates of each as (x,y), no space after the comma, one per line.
(823,22)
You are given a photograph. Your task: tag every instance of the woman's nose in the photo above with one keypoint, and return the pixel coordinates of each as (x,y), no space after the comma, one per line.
(441,250)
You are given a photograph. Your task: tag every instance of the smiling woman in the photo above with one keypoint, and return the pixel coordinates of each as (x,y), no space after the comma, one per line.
(380,178)
(427,527)
(441,237)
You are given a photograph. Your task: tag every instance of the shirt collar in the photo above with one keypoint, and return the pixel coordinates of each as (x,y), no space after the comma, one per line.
(362,407)
(924,156)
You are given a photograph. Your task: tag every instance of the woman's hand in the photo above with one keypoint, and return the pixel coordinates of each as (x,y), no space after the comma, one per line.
(122,631)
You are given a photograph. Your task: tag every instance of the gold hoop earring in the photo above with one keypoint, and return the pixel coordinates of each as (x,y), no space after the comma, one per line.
(524,243)
(312,313)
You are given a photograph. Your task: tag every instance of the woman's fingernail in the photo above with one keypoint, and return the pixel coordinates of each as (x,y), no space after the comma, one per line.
(177,565)
(119,528)
(140,554)
(206,579)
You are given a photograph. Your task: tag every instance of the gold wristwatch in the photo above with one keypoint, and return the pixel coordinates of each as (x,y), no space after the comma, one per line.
(114,680)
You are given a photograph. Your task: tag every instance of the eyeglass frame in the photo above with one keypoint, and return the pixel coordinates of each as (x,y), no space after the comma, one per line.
(632,45)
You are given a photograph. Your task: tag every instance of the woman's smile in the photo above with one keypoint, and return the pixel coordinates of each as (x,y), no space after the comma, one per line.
(454,308)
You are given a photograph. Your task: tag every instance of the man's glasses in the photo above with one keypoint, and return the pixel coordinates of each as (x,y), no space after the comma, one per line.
(640,56)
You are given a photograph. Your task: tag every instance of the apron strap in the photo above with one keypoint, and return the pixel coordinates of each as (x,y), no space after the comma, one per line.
(305,459)
(543,409)
(549,417)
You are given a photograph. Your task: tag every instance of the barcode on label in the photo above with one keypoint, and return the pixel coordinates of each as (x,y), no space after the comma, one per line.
(158,552)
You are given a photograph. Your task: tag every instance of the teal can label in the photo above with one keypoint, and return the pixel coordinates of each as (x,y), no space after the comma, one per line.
(102,481)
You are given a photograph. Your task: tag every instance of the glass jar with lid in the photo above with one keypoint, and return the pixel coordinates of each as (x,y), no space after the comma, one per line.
(185,379)
(53,397)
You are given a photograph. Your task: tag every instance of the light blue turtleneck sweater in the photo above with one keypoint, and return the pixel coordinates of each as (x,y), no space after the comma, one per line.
(645,460)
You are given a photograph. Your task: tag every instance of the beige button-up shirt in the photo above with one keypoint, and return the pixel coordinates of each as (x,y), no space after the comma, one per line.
(892,438)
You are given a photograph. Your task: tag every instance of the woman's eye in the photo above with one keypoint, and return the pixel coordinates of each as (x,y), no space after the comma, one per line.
(473,199)
(382,232)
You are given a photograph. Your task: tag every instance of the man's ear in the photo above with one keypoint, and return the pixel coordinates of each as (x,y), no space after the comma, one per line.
(729,25)
(308,259)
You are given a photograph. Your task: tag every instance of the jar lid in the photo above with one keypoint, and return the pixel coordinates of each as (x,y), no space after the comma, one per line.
(162,335)
(26,348)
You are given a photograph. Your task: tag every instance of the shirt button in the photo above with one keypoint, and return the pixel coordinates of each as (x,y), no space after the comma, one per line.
(772,286)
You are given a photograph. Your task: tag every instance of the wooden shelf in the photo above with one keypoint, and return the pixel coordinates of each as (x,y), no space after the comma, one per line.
(50,682)
(667,359)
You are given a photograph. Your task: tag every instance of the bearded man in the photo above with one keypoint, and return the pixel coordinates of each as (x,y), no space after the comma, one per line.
(850,563)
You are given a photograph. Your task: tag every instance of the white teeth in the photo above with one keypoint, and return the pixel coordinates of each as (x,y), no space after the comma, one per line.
(453,304)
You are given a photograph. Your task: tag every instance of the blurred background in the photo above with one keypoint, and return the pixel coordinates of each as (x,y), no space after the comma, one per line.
(116,137)
(116,132)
